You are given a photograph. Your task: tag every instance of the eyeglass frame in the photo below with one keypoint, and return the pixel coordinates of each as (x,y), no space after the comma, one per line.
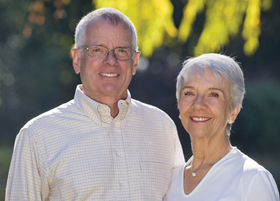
(108,50)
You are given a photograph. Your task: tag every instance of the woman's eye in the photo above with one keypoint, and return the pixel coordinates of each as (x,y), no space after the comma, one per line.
(214,95)
(188,93)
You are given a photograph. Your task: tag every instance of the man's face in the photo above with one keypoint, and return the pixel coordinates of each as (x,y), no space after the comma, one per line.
(108,77)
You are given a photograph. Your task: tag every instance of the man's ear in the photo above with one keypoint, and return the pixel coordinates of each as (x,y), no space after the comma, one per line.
(135,62)
(77,58)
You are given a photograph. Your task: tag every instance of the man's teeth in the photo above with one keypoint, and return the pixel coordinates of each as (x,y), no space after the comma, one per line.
(109,75)
(199,119)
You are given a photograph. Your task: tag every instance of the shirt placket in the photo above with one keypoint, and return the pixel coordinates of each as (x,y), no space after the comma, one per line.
(120,163)
(117,150)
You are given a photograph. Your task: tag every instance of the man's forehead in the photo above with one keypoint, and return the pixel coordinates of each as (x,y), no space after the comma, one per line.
(101,20)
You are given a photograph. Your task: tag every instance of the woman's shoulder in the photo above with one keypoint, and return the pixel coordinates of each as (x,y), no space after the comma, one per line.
(259,181)
(178,173)
(176,189)
(246,166)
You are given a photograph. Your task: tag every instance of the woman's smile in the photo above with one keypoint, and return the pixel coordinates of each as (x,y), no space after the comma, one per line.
(200,119)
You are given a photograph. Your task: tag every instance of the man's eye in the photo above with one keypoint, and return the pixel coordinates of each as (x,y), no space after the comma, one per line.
(96,49)
(121,50)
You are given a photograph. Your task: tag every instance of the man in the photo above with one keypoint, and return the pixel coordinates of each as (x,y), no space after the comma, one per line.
(102,145)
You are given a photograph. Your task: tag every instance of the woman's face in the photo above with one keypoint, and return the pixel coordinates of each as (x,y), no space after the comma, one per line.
(205,105)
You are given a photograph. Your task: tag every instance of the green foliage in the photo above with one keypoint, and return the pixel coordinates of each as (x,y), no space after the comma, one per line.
(259,119)
(223,19)
(5,158)
(152,19)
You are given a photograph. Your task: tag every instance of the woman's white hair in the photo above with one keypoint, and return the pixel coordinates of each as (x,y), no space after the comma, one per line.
(223,67)
(111,14)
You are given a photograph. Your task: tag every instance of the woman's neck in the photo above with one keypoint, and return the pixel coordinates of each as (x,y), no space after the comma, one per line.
(209,152)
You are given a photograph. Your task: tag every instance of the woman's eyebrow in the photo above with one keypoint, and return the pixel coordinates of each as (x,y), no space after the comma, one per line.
(214,88)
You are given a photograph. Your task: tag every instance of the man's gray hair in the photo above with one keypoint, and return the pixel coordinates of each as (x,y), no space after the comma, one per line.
(111,14)
(222,67)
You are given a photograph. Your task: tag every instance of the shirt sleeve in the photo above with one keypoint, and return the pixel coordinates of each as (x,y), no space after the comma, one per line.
(179,155)
(263,187)
(24,176)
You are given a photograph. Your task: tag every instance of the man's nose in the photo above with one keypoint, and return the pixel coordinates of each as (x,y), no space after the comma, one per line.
(110,57)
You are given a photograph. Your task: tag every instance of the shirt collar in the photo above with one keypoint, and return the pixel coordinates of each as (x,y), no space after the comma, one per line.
(98,112)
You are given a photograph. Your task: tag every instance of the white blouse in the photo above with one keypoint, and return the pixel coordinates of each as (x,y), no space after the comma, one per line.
(236,177)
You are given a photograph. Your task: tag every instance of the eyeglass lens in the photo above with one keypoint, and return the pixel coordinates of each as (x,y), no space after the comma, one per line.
(99,52)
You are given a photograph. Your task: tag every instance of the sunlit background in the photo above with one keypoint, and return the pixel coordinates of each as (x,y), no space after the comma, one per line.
(36,72)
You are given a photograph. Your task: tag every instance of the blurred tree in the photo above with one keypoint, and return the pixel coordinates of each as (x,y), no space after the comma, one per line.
(154,21)
(35,66)
(223,19)
(258,123)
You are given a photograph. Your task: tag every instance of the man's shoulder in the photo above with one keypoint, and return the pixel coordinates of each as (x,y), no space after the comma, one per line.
(58,112)
(144,106)
(139,107)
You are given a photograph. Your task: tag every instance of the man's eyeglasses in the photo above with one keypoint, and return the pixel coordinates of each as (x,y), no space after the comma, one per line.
(100,52)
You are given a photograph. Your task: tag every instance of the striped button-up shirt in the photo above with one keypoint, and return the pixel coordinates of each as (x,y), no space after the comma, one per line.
(77,151)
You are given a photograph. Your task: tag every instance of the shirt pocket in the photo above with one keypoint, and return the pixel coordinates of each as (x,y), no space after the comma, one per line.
(156,177)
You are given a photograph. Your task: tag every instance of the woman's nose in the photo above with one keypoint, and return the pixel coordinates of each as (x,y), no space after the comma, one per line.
(199,103)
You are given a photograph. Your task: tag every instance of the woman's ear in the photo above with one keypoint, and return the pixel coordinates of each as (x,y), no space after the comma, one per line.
(234,114)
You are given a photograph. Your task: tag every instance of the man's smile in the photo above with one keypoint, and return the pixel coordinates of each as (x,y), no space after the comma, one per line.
(109,74)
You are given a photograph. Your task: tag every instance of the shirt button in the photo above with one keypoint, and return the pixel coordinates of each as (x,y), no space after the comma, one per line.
(118,154)
(120,184)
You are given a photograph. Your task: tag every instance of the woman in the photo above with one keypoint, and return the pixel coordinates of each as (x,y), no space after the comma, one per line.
(210,90)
